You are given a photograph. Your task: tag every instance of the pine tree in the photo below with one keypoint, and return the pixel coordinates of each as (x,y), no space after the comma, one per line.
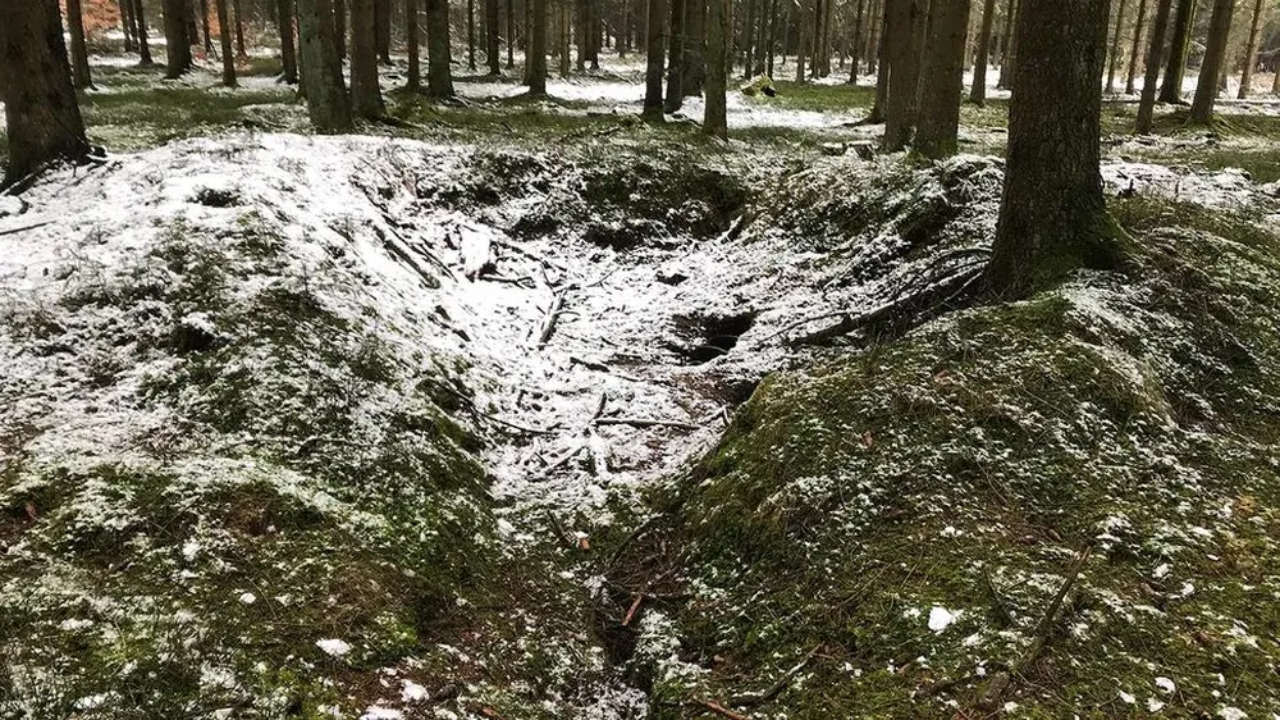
(366,94)
(719,34)
(439,74)
(1146,106)
(1215,54)
(80,76)
(1184,18)
(653,68)
(978,93)
(224,36)
(942,80)
(327,102)
(904,25)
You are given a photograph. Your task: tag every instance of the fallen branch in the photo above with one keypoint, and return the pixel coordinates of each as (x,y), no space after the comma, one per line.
(15,231)
(754,699)
(645,423)
(549,323)
(718,709)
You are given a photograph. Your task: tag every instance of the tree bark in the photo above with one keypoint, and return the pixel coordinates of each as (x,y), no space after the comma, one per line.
(878,108)
(340,27)
(413,79)
(511,34)
(366,94)
(1171,90)
(471,35)
(695,60)
(903,22)
(1115,48)
(1251,51)
(224,36)
(978,93)
(1146,105)
(492,26)
(537,59)
(942,81)
(1131,76)
(1053,217)
(1006,54)
(80,76)
(240,49)
(205,30)
(1215,53)
(439,70)
(802,42)
(382,30)
(177,41)
(41,112)
(653,68)
(140,29)
(327,103)
(719,32)
(288,58)
(675,66)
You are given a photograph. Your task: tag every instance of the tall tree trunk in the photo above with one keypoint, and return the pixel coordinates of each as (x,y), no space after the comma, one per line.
(537,59)
(205,30)
(978,93)
(413,81)
(653,68)
(366,94)
(695,61)
(1006,54)
(224,36)
(140,28)
(875,24)
(1251,51)
(904,19)
(471,35)
(879,107)
(511,34)
(719,34)
(566,37)
(1131,76)
(492,25)
(855,42)
(127,26)
(772,46)
(824,55)
(1215,54)
(1115,48)
(802,42)
(747,45)
(1183,21)
(240,49)
(675,66)
(942,78)
(1053,217)
(177,41)
(41,111)
(327,103)
(583,30)
(382,30)
(1151,76)
(284,23)
(80,77)
(439,70)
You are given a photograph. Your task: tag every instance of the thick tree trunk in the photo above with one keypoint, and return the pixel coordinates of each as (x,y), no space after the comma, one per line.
(177,42)
(228,53)
(413,79)
(1171,90)
(719,33)
(1251,51)
(80,76)
(537,59)
(492,26)
(1115,48)
(978,93)
(41,111)
(327,101)
(1053,217)
(1215,54)
(240,49)
(653,68)
(439,71)
(903,22)
(382,31)
(1007,53)
(695,60)
(366,94)
(942,81)
(284,23)
(140,29)
(1131,76)
(1151,76)
(675,66)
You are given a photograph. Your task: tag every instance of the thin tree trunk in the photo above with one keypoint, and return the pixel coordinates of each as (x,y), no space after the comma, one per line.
(978,93)
(1251,51)
(695,61)
(228,52)
(140,29)
(1131,76)
(471,34)
(1184,18)
(340,28)
(772,46)
(876,26)
(904,19)
(366,94)
(1006,54)
(878,108)
(284,22)
(204,27)
(42,113)
(942,79)
(719,32)
(1215,53)
(675,67)
(127,26)
(492,26)
(511,34)
(1053,216)
(1115,48)
(802,43)
(439,70)
(855,42)
(413,82)
(80,77)
(382,31)
(653,69)
(1151,76)
(748,47)
(566,36)
(327,103)
(825,54)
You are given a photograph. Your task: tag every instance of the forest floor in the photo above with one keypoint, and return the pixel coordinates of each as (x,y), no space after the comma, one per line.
(448,420)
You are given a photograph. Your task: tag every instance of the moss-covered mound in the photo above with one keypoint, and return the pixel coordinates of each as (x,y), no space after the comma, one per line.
(910,510)
(230,481)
